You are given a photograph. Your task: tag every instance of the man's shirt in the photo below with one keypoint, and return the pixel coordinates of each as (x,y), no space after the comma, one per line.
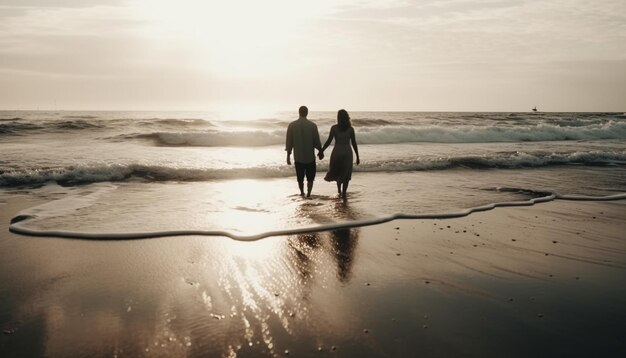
(302,138)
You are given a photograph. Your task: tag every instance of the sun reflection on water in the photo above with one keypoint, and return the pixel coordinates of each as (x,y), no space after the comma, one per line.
(251,206)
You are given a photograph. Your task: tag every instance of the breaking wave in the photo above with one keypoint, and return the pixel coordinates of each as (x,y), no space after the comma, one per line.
(15,126)
(401,134)
(73,175)
(215,138)
(77,124)
(486,134)
(117,172)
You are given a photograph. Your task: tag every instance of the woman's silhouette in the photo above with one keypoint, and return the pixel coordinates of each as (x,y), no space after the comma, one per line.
(340,167)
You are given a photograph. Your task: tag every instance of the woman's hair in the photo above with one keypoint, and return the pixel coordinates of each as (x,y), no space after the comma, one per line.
(343,119)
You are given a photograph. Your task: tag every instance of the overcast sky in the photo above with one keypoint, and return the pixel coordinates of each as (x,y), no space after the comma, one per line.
(420,55)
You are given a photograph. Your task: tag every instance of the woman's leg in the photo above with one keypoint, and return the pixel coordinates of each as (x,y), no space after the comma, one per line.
(344,190)
(339,187)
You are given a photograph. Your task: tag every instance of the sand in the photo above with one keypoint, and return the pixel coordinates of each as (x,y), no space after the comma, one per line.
(541,281)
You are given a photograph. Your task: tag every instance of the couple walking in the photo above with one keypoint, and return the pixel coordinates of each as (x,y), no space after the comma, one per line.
(303,137)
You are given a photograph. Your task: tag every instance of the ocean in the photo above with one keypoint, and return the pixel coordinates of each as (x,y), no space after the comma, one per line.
(259,271)
(132,172)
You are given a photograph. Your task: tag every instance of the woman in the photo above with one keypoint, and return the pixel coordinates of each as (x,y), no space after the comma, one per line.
(340,167)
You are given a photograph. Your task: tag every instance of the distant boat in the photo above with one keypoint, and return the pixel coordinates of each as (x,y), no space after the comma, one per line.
(535,109)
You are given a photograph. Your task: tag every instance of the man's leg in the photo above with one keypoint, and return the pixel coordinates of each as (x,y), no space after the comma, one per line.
(310,177)
(300,170)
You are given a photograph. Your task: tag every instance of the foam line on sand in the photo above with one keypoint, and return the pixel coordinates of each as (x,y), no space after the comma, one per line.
(18,223)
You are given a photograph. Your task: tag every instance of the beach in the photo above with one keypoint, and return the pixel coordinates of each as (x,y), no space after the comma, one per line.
(543,281)
(183,234)
(152,156)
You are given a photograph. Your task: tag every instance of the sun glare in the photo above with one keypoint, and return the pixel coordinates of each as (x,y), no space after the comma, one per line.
(235,37)
(251,206)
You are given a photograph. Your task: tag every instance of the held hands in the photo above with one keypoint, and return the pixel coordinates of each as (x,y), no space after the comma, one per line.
(320,155)
(288,159)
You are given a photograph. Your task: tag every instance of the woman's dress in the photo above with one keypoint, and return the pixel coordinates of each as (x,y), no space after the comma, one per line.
(340,167)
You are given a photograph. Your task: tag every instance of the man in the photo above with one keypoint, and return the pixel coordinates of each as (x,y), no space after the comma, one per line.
(302,138)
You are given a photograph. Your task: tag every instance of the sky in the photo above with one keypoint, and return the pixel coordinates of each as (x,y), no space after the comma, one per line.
(387,55)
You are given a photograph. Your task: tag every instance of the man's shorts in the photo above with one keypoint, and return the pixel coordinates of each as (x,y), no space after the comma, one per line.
(303,169)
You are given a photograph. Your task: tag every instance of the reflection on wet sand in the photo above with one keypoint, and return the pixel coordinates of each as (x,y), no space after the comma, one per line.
(341,244)
(344,243)
(190,296)
(283,281)
(303,250)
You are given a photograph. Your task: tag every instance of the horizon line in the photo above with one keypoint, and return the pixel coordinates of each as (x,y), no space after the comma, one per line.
(295,110)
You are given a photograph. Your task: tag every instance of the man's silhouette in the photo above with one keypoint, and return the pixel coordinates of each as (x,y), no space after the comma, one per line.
(302,138)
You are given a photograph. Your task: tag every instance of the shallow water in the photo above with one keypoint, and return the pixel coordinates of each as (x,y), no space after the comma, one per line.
(255,206)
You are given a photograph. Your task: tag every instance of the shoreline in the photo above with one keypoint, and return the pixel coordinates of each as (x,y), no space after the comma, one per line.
(17,222)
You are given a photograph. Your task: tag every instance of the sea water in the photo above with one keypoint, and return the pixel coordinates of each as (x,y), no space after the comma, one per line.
(116,172)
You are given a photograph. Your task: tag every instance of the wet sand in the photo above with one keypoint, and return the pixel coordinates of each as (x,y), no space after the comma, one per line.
(542,281)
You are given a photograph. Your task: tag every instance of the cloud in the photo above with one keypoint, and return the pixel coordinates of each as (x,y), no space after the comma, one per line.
(495,31)
(396,45)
